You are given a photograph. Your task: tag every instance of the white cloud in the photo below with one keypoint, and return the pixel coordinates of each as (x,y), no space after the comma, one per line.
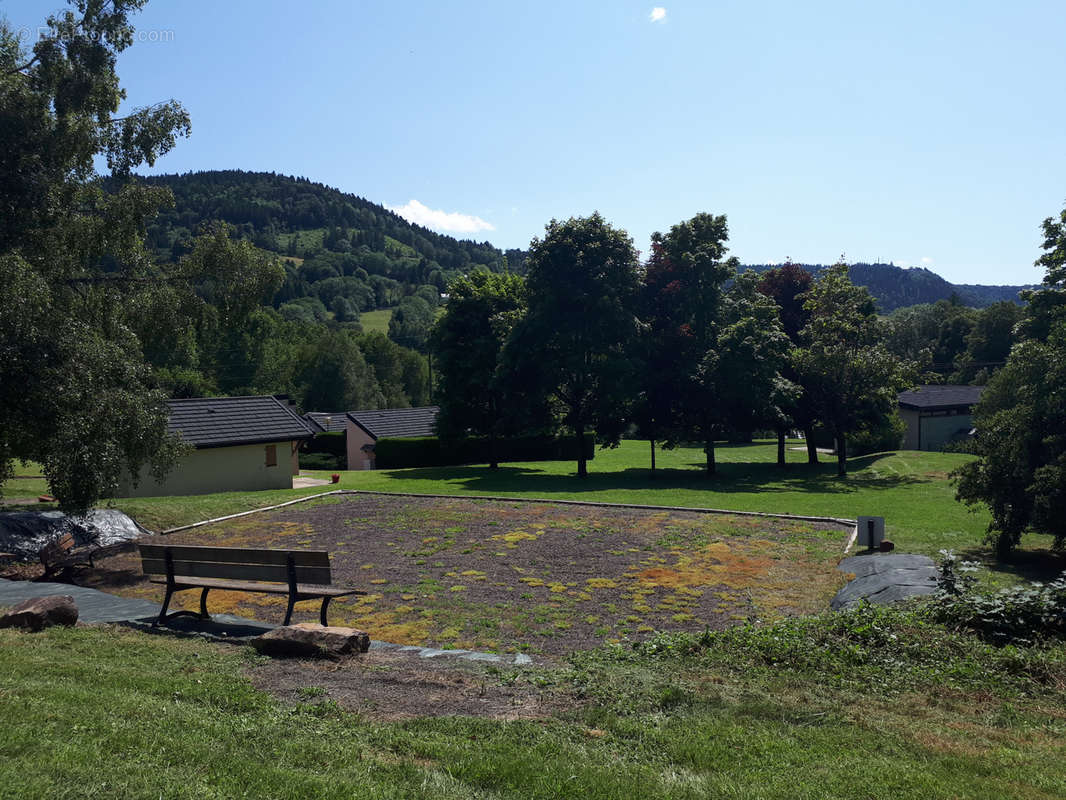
(658,14)
(927,260)
(451,221)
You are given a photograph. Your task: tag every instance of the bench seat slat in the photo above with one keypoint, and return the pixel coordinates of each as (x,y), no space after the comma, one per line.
(249,572)
(235,555)
(264,588)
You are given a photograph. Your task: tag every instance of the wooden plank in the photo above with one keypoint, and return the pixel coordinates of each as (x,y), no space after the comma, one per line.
(251,572)
(236,555)
(265,588)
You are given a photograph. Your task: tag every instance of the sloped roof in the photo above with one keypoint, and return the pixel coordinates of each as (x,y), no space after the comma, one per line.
(335,422)
(226,421)
(397,423)
(937,398)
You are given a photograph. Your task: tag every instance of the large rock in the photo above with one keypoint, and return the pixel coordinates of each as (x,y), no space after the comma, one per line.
(310,640)
(38,613)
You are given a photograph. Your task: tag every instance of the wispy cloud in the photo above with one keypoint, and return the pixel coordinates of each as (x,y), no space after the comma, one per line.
(658,14)
(451,221)
(927,260)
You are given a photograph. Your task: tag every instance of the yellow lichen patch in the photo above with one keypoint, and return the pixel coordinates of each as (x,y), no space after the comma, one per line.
(592,619)
(517,536)
(367,566)
(457,588)
(430,539)
(682,618)
(645,628)
(475,572)
(408,596)
(379,580)
(601,583)
(556,588)
(532,581)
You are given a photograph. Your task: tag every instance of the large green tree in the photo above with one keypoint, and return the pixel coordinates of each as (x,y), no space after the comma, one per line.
(847,372)
(681,303)
(468,342)
(787,285)
(75,392)
(1020,473)
(576,338)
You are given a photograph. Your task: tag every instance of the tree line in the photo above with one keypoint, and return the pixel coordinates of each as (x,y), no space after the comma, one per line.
(682,348)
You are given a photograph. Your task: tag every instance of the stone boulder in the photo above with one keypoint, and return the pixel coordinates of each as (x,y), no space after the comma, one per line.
(38,613)
(310,640)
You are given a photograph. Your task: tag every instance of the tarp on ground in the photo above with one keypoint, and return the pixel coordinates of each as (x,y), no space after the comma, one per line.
(25,533)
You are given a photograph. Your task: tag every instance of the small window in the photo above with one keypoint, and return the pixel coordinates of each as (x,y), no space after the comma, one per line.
(272,455)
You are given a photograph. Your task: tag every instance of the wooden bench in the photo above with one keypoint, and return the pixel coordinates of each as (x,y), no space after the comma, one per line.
(301,574)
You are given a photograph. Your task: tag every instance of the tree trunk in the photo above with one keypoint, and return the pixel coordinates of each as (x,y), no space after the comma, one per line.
(842,456)
(582,468)
(708,448)
(812,448)
(652,455)
(494,462)
(780,448)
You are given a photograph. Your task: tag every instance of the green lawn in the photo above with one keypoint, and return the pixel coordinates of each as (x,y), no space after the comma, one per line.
(376,320)
(830,710)
(909,488)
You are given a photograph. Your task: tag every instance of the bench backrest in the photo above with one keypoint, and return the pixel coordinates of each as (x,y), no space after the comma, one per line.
(237,563)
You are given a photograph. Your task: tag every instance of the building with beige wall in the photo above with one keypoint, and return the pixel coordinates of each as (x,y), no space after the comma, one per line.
(240,444)
(936,415)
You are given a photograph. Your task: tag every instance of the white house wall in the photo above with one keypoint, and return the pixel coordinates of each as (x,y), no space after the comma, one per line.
(220,469)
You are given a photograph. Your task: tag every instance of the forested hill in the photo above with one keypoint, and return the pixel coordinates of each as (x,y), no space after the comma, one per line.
(296,216)
(895,287)
(328,234)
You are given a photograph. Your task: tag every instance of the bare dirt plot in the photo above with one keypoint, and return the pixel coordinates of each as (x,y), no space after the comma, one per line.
(536,577)
(392,686)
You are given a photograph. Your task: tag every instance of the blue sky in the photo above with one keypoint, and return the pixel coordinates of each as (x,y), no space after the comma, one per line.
(923,133)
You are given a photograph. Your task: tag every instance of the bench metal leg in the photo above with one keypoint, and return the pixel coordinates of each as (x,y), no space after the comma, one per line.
(203,604)
(166,604)
(322,613)
(288,611)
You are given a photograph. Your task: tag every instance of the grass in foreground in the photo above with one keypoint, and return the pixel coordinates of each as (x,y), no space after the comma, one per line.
(877,705)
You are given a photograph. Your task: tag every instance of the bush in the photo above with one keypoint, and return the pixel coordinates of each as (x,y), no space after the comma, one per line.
(430,451)
(1018,615)
(325,451)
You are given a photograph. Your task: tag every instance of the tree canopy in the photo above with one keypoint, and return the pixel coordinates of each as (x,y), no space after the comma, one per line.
(581,323)
(1020,473)
(75,393)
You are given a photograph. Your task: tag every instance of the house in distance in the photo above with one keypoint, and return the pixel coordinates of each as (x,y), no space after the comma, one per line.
(936,415)
(365,428)
(241,444)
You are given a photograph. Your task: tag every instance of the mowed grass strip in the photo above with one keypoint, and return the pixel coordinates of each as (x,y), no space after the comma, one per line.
(95,712)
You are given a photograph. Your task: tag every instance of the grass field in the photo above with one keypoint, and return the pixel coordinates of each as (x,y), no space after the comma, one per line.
(871,704)
(376,321)
(871,707)
(910,489)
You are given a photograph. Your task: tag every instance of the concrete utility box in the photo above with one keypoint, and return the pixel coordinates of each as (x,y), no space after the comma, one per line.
(871,532)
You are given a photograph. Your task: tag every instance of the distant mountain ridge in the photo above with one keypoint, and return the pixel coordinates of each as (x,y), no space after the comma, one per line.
(300,218)
(897,287)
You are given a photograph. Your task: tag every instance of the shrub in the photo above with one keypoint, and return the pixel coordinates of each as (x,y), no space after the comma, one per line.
(1018,615)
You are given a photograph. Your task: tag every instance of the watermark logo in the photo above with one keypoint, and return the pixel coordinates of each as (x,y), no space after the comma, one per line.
(29,35)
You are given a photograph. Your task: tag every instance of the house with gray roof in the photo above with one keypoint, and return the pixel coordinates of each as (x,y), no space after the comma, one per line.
(936,415)
(365,428)
(239,444)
